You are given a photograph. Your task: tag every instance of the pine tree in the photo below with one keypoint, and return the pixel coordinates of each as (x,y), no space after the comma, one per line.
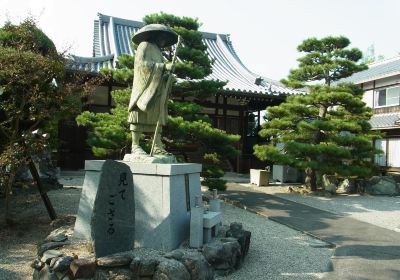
(326,130)
(109,133)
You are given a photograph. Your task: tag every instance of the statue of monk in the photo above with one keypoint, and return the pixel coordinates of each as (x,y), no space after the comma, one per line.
(149,97)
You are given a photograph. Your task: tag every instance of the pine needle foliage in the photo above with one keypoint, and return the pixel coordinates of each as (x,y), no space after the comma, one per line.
(325,131)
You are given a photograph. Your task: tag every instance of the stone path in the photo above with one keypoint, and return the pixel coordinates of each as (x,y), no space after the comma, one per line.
(363,251)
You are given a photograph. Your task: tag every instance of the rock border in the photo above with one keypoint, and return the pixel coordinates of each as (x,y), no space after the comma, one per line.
(222,256)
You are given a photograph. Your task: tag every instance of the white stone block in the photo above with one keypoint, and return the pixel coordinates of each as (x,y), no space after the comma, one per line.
(259,177)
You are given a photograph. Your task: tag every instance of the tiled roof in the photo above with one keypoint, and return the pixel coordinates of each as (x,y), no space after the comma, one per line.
(383,121)
(378,70)
(112,37)
(90,64)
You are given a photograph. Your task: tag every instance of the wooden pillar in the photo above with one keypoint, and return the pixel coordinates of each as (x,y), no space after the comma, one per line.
(216,111)
(224,112)
(239,159)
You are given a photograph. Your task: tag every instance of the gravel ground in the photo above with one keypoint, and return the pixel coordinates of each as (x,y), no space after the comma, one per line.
(382,211)
(18,242)
(276,252)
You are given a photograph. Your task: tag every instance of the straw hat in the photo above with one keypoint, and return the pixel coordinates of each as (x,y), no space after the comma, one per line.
(160,34)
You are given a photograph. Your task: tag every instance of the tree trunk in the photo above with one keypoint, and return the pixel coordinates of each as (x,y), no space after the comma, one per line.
(43,194)
(7,190)
(311,179)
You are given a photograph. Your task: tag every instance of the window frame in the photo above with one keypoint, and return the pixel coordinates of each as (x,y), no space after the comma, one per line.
(376,97)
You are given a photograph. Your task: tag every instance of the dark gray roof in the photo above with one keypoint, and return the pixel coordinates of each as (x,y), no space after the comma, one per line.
(112,38)
(378,70)
(382,121)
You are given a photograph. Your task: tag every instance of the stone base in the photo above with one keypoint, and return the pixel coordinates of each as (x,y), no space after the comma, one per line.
(164,195)
(148,159)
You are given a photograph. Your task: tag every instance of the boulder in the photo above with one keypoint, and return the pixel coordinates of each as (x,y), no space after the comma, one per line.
(62,263)
(170,269)
(175,254)
(49,255)
(197,266)
(83,268)
(382,185)
(148,267)
(50,245)
(135,267)
(242,236)
(37,264)
(224,254)
(347,186)
(114,260)
(46,274)
(329,183)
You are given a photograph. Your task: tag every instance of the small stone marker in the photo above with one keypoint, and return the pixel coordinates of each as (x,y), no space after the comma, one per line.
(196,224)
(113,216)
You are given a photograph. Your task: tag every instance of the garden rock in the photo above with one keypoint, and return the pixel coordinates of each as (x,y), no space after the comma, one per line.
(384,185)
(175,254)
(242,236)
(197,266)
(114,260)
(50,245)
(329,183)
(46,274)
(60,233)
(347,186)
(170,269)
(224,254)
(148,267)
(49,255)
(62,263)
(37,264)
(83,268)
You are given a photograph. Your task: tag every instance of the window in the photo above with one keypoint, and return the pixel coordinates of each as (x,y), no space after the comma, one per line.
(387,97)
(391,152)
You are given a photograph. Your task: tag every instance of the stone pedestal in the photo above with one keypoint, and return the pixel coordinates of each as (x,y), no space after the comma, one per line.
(164,196)
(211,223)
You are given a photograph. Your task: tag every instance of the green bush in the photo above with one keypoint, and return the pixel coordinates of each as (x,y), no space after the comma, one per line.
(214,183)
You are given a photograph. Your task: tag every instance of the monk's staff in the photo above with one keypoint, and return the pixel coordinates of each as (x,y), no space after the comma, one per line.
(166,89)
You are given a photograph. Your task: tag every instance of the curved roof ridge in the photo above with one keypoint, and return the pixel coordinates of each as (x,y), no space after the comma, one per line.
(112,37)
(232,59)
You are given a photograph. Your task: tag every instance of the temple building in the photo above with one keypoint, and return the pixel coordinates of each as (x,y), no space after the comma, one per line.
(245,94)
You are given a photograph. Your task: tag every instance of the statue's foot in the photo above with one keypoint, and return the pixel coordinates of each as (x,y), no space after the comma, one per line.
(138,151)
(160,151)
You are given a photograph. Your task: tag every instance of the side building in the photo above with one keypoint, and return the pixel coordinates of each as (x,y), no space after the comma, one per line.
(236,109)
(381,83)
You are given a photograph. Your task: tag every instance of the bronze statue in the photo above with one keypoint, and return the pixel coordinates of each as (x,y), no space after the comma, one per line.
(152,81)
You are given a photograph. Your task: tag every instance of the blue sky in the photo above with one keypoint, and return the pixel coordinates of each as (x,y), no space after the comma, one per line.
(264,33)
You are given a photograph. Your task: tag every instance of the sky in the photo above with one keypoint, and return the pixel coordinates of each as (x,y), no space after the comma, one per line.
(264,33)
